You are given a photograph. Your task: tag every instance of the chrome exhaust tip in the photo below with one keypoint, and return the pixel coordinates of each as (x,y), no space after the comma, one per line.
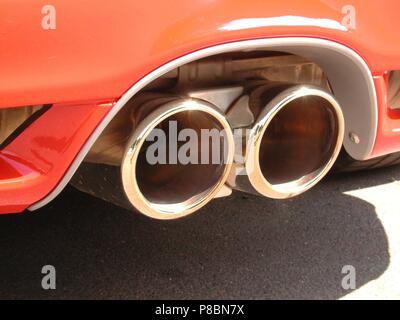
(293,143)
(175,189)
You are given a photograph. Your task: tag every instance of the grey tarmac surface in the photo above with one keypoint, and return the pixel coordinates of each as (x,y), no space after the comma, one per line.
(241,247)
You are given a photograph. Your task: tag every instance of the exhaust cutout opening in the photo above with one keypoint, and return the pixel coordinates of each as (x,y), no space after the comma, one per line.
(296,140)
(185,177)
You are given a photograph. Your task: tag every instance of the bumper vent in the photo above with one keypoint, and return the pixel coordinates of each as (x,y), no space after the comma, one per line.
(15,120)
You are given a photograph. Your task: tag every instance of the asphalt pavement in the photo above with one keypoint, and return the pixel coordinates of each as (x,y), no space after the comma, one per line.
(241,247)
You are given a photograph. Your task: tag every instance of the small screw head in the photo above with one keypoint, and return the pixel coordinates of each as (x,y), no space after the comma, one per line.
(354,138)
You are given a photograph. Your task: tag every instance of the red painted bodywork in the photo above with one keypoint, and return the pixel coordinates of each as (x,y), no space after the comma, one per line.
(33,163)
(100,48)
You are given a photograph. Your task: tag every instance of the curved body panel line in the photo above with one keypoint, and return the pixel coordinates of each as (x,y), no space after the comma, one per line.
(343,66)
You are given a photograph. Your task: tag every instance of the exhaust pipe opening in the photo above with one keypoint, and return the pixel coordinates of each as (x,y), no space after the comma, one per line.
(294,142)
(299,140)
(177,185)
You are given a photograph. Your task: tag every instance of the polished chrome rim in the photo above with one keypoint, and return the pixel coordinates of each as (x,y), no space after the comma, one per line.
(286,189)
(134,187)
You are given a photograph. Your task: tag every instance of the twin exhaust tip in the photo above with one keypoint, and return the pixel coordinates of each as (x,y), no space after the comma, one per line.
(174,189)
(292,144)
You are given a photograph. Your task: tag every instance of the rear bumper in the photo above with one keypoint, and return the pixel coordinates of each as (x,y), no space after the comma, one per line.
(37,159)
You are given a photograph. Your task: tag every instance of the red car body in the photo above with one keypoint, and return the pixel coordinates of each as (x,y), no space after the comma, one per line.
(100,50)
